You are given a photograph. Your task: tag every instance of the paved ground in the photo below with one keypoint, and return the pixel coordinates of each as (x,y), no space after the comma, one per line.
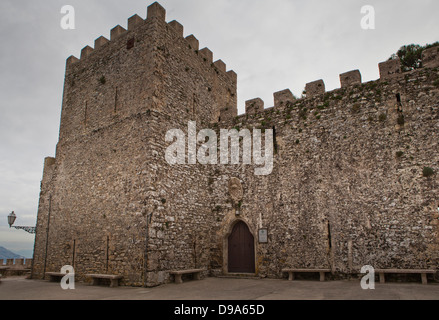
(19,288)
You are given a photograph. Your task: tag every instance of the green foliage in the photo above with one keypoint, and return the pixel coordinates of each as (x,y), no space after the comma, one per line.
(302,113)
(411,55)
(427,172)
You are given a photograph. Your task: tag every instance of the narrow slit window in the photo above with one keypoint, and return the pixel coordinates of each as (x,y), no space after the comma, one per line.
(85,114)
(115,100)
(275,140)
(329,236)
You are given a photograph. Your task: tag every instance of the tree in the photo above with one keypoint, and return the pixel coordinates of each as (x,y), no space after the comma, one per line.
(411,55)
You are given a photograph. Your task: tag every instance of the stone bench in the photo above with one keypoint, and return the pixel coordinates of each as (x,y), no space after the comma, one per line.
(55,276)
(114,279)
(3,271)
(178,274)
(291,272)
(423,273)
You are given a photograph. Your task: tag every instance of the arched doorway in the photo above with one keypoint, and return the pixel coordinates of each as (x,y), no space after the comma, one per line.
(241,250)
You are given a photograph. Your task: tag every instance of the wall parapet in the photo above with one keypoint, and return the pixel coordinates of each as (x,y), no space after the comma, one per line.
(154,11)
(282,97)
(315,88)
(390,69)
(254,106)
(16,263)
(350,78)
(430,57)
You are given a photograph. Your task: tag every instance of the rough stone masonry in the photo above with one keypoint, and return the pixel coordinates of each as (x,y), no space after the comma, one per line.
(348,186)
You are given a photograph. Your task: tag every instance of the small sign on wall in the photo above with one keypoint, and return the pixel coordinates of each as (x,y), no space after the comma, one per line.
(263,235)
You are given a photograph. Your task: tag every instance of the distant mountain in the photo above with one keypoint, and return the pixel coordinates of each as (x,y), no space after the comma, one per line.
(6,254)
(27,253)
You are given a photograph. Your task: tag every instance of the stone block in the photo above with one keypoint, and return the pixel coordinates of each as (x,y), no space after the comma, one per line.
(116,32)
(315,88)
(178,28)
(207,55)
(220,65)
(86,51)
(390,69)
(99,42)
(193,42)
(430,57)
(155,10)
(134,21)
(281,97)
(71,60)
(350,78)
(233,76)
(254,106)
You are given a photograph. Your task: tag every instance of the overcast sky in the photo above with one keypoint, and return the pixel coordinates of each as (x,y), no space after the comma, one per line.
(271,45)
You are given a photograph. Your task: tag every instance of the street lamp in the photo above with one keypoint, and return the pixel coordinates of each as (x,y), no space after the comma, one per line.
(11,220)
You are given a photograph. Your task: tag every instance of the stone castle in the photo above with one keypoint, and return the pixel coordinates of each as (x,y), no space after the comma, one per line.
(354,180)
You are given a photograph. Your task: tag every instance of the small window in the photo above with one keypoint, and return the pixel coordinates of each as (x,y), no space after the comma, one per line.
(130,44)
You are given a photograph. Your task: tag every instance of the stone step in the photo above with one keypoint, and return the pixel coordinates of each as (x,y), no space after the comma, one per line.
(239,276)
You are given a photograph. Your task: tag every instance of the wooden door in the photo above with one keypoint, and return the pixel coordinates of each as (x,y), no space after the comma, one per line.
(241,249)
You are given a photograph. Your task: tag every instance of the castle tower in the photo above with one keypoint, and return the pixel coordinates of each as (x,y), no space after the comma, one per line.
(107,183)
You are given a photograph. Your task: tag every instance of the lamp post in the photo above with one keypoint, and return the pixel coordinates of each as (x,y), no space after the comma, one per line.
(11,220)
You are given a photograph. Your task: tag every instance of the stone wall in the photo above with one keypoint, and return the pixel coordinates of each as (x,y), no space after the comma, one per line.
(347,188)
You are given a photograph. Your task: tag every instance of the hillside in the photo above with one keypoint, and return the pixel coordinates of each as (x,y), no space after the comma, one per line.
(7,254)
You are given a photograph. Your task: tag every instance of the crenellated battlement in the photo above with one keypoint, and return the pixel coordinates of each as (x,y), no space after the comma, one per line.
(389,71)
(16,263)
(175,63)
(155,11)
(131,72)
